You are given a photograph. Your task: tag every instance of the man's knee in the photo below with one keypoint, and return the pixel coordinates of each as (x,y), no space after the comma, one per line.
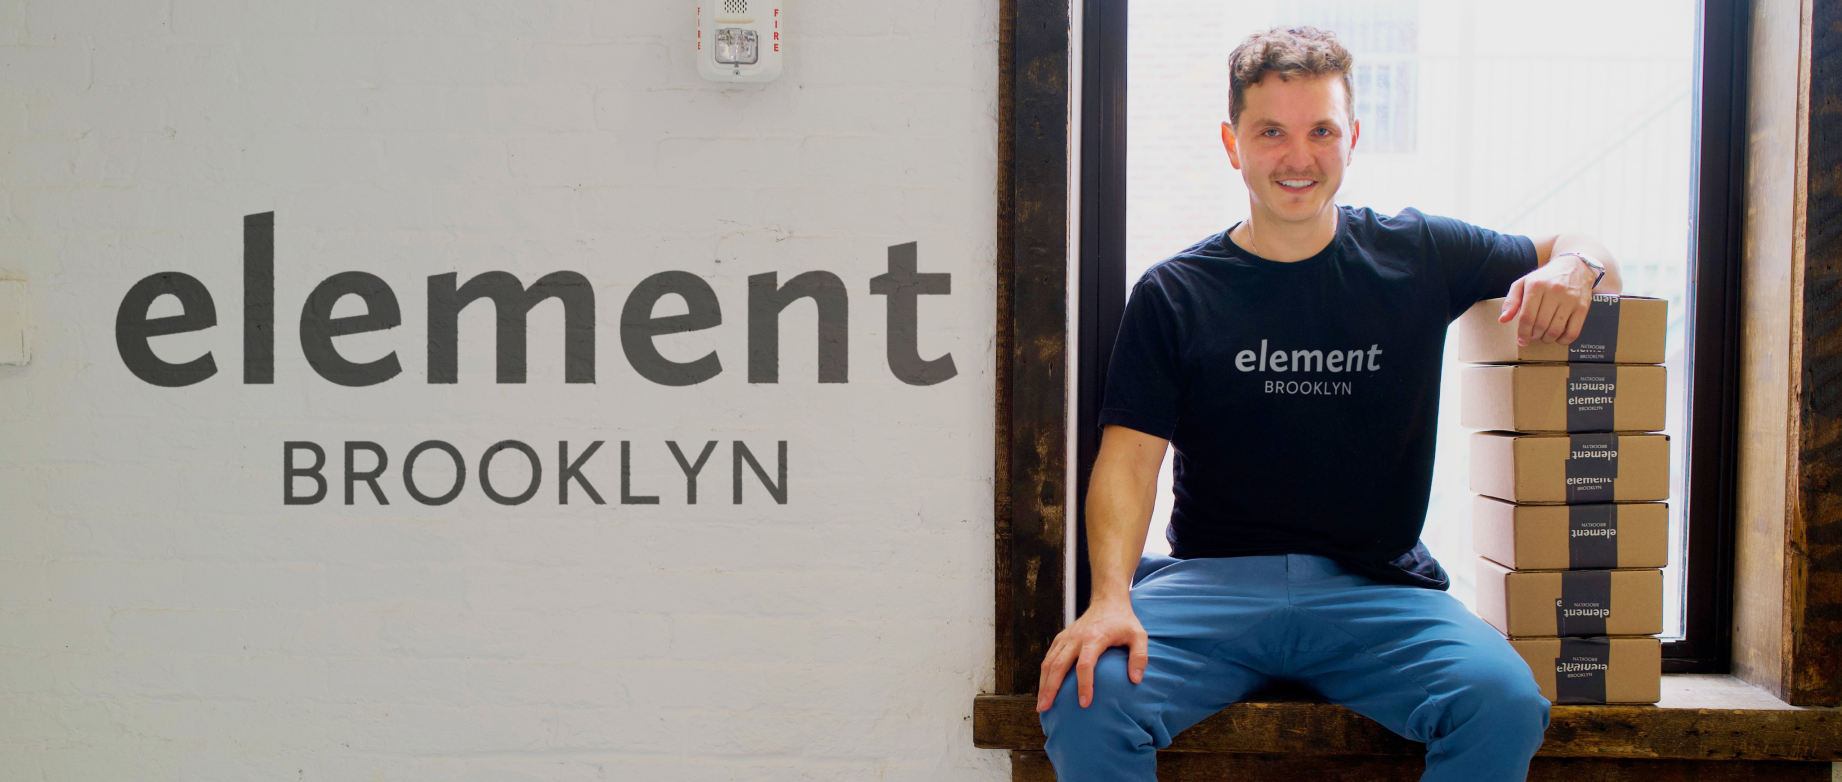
(1112,709)
(1505,696)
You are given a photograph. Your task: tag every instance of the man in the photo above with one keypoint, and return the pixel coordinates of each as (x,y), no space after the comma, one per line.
(1295,532)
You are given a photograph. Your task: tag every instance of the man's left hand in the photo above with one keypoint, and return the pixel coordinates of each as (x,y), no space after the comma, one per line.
(1550,303)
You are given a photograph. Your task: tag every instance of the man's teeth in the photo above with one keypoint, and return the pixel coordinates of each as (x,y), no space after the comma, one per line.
(1295,182)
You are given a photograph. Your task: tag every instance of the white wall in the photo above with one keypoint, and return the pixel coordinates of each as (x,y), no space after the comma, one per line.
(163,615)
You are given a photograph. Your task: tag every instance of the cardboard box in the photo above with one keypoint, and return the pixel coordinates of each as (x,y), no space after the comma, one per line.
(1540,603)
(1570,468)
(1618,330)
(1595,670)
(1571,537)
(1563,397)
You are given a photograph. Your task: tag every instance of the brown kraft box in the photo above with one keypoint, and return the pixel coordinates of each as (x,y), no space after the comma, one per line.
(1570,468)
(1617,330)
(1595,670)
(1571,537)
(1564,397)
(1531,603)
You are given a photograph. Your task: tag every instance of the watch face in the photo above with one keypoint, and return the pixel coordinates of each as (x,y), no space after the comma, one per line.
(1595,266)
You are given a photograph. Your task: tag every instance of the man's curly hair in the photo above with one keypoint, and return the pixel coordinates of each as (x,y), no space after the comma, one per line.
(1287,51)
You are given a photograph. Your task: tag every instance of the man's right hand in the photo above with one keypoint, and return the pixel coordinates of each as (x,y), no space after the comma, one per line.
(1103,626)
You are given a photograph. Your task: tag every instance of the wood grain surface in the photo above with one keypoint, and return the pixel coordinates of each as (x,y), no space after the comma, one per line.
(1765,341)
(1032,432)
(1688,732)
(1813,622)
(1200,767)
(1002,341)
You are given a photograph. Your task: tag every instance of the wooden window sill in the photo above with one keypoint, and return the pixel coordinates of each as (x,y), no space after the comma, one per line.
(1701,717)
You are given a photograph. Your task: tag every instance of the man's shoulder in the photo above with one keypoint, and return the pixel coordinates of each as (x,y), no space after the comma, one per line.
(1402,242)
(1183,268)
(1410,224)
(1410,236)
(1366,222)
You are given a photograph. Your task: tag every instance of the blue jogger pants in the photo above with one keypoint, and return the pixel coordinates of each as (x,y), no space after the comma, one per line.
(1409,658)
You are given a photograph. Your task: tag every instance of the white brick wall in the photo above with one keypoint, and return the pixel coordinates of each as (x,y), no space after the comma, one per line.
(164,616)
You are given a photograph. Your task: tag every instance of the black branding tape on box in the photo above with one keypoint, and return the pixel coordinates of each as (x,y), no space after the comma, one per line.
(1592,467)
(1590,392)
(1592,536)
(1598,340)
(1579,673)
(1585,603)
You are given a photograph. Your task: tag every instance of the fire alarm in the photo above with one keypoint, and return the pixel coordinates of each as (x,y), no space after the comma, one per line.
(739,40)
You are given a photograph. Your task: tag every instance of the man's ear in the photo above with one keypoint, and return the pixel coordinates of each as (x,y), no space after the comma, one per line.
(1355,132)
(1234,153)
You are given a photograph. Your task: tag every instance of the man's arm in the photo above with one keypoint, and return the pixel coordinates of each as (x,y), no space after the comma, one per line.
(1550,303)
(1119,500)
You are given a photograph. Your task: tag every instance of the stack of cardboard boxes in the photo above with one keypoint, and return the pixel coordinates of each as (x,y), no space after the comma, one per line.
(1571,476)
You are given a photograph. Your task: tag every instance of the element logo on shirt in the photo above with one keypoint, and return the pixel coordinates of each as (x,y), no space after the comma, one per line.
(1357,360)
(1341,361)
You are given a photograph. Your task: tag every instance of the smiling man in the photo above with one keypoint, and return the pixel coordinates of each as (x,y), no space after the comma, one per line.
(1293,362)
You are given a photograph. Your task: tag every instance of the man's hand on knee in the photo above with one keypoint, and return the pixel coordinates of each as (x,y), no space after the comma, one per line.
(1102,627)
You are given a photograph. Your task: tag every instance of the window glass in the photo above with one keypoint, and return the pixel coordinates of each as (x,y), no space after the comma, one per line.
(1533,119)
(1387,33)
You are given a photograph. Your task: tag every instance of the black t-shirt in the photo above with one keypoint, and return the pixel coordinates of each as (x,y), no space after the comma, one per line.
(1301,398)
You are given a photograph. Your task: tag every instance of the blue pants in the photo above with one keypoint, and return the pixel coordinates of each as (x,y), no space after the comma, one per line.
(1409,658)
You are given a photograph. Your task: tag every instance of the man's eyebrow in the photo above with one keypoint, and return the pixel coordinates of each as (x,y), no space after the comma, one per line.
(1264,122)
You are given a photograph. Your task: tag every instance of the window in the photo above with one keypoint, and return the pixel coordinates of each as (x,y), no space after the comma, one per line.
(1527,119)
(1386,33)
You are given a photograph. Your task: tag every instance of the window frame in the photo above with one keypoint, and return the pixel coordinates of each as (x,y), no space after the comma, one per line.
(1719,125)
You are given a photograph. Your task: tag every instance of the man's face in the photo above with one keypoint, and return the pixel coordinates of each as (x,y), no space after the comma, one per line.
(1293,140)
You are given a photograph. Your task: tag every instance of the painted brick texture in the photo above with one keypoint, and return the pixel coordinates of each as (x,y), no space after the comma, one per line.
(164,616)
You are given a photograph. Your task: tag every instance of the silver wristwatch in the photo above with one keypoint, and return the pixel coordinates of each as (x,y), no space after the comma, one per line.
(1590,262)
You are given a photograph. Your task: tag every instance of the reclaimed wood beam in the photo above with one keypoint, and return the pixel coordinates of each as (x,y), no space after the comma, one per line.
(1813,567)
(1030,506)
(1202,767)
(1701,718)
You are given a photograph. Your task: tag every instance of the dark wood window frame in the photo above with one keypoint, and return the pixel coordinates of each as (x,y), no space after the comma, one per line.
(1709,726)
(1033,394)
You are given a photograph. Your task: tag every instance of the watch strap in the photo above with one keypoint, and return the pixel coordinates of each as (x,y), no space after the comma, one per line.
(1590,262)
